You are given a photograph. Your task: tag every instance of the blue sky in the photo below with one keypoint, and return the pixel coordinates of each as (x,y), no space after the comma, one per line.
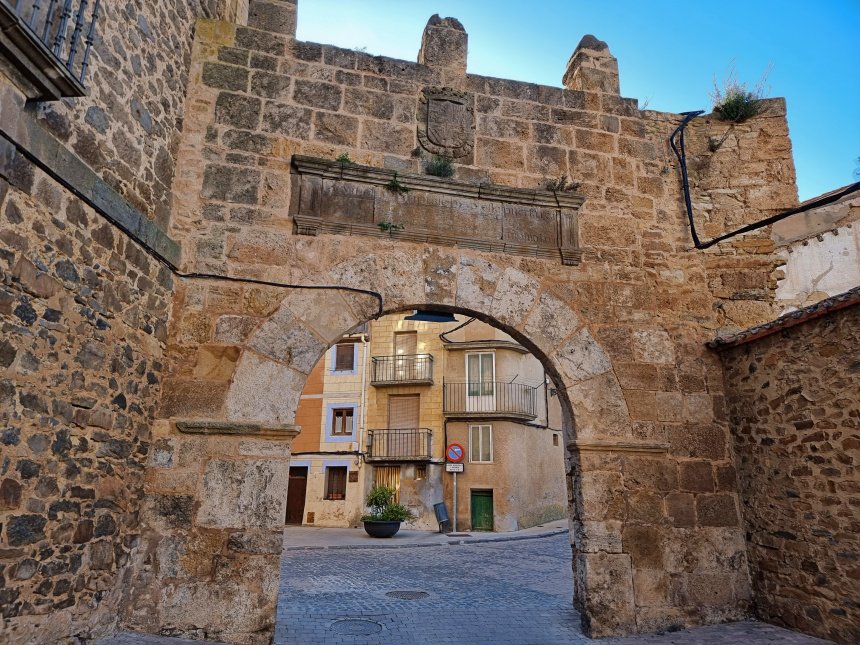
(668,55)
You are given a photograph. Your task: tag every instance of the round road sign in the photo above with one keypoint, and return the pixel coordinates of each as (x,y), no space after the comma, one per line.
(455,453)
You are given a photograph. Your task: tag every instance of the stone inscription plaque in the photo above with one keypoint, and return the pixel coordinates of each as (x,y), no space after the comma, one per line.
(348,199)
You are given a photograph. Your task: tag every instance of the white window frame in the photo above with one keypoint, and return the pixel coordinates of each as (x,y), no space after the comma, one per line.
(489,428)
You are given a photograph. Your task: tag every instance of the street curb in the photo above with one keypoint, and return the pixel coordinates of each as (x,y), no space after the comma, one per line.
(462,542)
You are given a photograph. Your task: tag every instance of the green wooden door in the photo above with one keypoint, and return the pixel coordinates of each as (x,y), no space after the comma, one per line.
(482,510)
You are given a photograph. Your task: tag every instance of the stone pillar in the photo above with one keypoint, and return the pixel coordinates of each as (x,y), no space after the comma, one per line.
(444,44)
(215,503)
(277,16)
(592,68)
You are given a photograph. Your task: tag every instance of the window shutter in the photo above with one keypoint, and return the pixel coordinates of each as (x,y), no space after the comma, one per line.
(344,357)
(404,411)
(336,482)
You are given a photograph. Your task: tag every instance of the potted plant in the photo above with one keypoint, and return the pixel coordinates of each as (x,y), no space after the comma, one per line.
(385,516)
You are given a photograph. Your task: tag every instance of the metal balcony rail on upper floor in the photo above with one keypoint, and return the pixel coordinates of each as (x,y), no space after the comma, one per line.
(399,444)
(62,30)
(403,369)
(490,399)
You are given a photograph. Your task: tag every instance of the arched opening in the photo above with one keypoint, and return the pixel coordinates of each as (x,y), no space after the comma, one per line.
(380,408)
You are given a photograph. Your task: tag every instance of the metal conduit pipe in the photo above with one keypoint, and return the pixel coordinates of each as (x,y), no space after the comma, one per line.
(681,154)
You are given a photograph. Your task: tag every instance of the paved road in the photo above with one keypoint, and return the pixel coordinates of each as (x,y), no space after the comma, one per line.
(493,593)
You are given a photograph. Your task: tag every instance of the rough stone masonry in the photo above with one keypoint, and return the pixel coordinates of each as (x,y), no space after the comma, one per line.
(147,418)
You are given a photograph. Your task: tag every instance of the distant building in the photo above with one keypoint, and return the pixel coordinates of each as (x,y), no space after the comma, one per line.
(383,404)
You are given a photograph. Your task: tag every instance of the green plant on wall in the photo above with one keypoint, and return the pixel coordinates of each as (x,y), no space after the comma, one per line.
(562,184)
(344,159)
(440,166)
(734,102)
(390,227)
(394,186)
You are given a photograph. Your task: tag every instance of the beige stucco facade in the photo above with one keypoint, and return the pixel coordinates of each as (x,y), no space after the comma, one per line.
(525,473)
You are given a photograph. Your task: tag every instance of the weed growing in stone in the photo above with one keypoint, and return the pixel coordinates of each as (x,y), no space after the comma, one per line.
(440,166)
(396,187)
(562,184)
(345,160)
(390,227)
(734,102)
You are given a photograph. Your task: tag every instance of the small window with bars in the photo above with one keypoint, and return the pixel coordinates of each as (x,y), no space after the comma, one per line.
(344,357)
(335,482)
(342,422)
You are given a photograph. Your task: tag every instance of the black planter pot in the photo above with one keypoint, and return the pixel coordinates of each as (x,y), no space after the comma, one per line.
(381,529)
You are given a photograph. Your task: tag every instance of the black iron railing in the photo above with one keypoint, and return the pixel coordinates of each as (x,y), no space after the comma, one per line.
(407,368)
(399,444)
(490,398)
(67,28)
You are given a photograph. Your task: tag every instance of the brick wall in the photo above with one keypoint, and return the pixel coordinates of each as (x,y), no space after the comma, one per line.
(794,405)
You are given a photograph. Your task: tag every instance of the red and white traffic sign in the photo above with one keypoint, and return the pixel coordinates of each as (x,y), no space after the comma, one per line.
(455,453)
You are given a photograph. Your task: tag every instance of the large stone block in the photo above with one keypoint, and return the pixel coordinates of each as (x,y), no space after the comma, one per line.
(606,601)
(264,391)
(243,494)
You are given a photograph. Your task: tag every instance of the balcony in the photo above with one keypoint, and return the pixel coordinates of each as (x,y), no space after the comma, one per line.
(490,399)
(49,42)
(405,369)
(399,444)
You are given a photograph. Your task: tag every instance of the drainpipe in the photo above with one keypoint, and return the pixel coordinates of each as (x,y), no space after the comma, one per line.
(363,418)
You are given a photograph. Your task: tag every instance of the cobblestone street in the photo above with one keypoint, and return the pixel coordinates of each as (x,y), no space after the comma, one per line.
(516,592)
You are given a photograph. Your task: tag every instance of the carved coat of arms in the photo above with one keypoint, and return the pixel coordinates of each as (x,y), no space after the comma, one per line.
(446,123)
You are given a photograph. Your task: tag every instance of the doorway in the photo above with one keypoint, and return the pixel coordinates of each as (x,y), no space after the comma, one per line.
(296,491)
(482,510)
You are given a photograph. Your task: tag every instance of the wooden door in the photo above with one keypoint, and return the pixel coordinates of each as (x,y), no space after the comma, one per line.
(296,491)
(482,510)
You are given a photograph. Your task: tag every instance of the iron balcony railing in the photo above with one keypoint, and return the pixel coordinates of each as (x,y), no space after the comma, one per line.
(402,369)
(63,29)
(490,399)
(399,444)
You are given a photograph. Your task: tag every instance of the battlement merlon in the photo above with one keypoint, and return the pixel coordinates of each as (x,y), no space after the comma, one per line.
(592,67)
(445,45)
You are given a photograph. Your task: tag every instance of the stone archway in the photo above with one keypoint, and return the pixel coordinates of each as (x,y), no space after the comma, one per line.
(240,358)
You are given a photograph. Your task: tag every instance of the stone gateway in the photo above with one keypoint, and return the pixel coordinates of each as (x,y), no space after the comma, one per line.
(180,247)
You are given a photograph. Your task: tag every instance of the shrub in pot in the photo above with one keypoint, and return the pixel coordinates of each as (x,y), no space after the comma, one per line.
(385,514)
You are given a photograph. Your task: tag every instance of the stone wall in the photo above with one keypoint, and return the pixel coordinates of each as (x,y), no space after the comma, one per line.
(84,312)
(83,317)
(658,541)
(794,403)
(127,128)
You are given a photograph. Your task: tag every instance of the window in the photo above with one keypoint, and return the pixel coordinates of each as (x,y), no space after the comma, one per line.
(480,373)
(554,439)
(480,444)
(344,357)
(335,482)
(342,422)
(420,472)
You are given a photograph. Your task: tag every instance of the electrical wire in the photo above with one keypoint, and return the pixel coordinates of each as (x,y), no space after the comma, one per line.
(681,154)
(163,260)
